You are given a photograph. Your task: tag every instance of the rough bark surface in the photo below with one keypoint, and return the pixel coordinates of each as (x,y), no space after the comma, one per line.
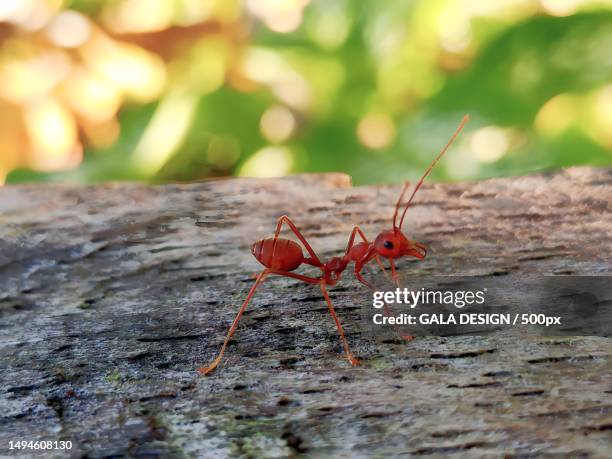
(111,296)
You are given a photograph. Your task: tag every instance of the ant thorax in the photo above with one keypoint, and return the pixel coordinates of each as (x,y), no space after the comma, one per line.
(335,265)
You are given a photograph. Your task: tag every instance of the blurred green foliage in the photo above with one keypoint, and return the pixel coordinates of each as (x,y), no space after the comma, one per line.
(374,90)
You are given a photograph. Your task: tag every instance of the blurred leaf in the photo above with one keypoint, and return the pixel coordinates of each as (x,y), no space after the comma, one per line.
(530,63)
(334,67)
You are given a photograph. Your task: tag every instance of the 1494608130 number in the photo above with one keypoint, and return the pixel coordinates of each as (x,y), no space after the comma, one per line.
(40,444)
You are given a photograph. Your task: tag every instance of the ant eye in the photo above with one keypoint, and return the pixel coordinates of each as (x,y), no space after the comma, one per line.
(388,245)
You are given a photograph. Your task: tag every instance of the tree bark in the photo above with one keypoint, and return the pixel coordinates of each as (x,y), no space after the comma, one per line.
(111,297)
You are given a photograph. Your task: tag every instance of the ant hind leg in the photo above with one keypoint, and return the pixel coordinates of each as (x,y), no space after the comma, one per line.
(210,368)
(285,219)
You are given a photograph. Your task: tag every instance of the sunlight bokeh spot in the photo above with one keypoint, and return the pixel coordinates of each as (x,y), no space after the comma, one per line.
(295,92)
(267,67)
(556,115)
(22,80)
(277,123)
(602,117)
(463,163)
(30,15)
(282,16)
(14,138)
(136,71)
(329,23)
(91,96)
(189,12)
(12,10)
(53,135)
(560,7)
(376,130)
(268,162)
(455,31)
(488,144)
(208,64)
(165,132)
(69,29)
(137,16)
(264,65)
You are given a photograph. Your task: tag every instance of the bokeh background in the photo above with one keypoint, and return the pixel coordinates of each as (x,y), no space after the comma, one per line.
(177,90)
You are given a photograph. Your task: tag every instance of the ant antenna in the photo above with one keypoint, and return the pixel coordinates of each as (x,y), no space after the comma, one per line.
(399,200)
(466,118)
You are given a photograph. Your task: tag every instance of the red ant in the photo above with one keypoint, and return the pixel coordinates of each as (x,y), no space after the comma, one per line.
(281,256)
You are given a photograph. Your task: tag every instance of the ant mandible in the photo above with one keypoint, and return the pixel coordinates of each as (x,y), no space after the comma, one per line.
(282,256)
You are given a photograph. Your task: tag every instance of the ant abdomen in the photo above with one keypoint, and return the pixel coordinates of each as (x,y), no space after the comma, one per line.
(280,254)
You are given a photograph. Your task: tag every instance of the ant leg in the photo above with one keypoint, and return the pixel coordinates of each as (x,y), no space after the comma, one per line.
(307,279)
(230,333)
(321,282)
(394,272)
(388,310)
(357,230)
(398,331)
(359,264)
(287,220)
(353,361)
(362,280)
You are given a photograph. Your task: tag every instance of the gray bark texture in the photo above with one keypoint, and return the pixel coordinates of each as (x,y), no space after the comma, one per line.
(111,297)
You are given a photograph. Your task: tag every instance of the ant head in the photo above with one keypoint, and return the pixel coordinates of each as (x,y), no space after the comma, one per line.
(394,244)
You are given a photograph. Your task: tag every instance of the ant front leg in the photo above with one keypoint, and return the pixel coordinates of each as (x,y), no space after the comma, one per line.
(394,272)
(386,309)
(351,242)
